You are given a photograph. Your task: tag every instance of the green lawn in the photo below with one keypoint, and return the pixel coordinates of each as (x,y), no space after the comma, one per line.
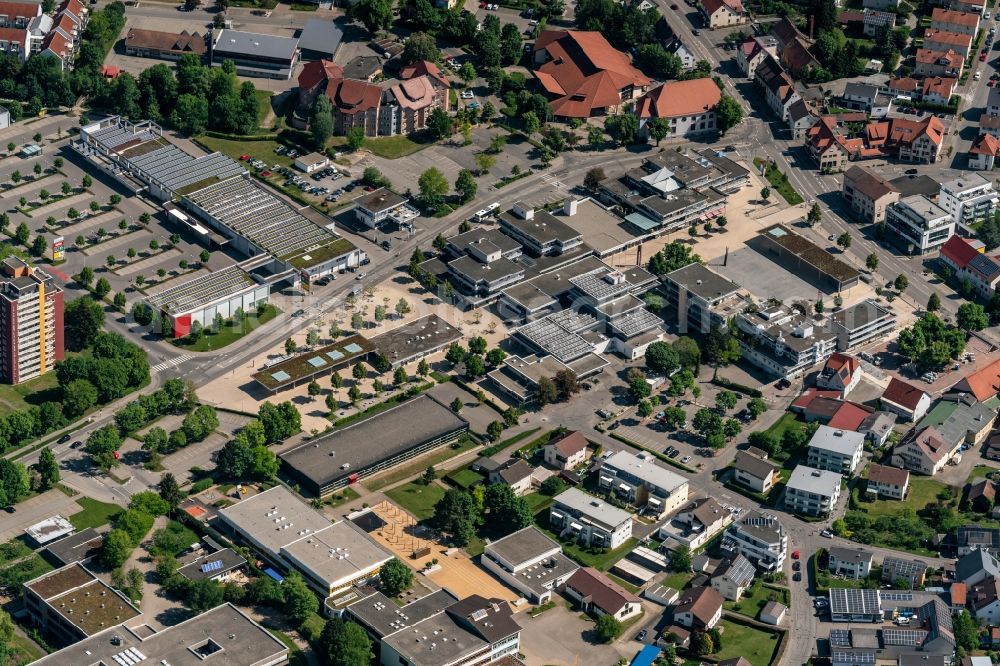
(24,570)
(752,644)
(922,491)
(93,513)
(417,499)
(263,106)
(26,648)
(393,147)
(464,478)
(779,182)
(537,501)
(262,150)
(754,600)
(13,398)
(678,580)
(227,335)
(295,656)
(978,471)
(403,472)
(787,421)
(342,497)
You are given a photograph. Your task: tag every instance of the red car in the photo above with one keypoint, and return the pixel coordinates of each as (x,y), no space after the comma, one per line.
(369,188)
(795,554)
(244,158)
(265,174)
(982,57)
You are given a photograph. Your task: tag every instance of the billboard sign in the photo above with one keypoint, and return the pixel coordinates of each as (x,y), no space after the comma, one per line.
(57,248)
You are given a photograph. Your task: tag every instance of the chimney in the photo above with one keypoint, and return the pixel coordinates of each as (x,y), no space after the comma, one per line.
(569,208)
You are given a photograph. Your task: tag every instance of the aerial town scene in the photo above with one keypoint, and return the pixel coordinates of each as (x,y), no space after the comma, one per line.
(539,333)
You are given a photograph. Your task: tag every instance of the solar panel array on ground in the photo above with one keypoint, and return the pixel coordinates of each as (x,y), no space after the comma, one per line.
(260,217)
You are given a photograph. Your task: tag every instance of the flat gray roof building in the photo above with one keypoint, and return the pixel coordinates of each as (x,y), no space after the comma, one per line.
(381,616)
(289,533)
(320,39)
(374,444)
(224,631)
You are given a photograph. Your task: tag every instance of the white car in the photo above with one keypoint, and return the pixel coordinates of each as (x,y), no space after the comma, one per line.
(467,94)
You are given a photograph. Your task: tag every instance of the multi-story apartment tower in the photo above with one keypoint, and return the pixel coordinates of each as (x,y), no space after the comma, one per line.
(31,322)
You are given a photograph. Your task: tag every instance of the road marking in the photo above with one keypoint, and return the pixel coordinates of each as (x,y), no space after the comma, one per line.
(177,360)
(553,181)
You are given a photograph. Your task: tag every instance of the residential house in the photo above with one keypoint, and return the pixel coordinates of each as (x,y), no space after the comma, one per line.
(425,68)
(566,451)
(876,22)
(973,6)
(938,63)
(753,52)
(938,89)
(945,40)
(922,450)
(755,472)
(835,450)
(877,427)
(976,566)
(164,45)
(897,568)
(959,596)
(961,421)
(989,124)
(722,13)
(984,600)
(885,481)
(984,152)
(841,373)
(675,46)
(638,480)
(970,198)
(516,473)
(868,194)
(867,97)
(355,103)
(800,119)
(966,257)
(687,106)
(589,519)
(905,400)
(583,74)
(779,90)
(733,577)
(760,537)
(917,225)
(853,563)
(599,595)
(966,23)
(695,524)
(530,562)
(698,609)
(981,495)
(812,492)
(782,340)
(976,537)
(981,385)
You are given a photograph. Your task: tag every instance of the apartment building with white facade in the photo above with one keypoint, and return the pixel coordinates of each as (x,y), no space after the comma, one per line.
(968,198)
(917,225)
(589,519)
(812,492)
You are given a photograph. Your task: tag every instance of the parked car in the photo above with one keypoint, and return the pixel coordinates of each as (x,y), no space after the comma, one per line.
(63,439)
(797,576)
(826,533)
(641,636)
(75,445)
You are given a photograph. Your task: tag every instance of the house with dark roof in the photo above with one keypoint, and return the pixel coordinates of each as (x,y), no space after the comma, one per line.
(778,88)
(516,473)
(698,608)
(976,537)
(868,194)
(599,595)
(687,106)
(976,566)
(885,481)
(905,400)
(733,577)
(755,472)
(753,51)
(912,571)
(583,74)
(984,600)
(853,563)
(566,451)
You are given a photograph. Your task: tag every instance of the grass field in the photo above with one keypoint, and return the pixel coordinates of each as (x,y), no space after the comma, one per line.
(779,182)
(922,491)
(464,478)
(13,398)
(754,600)
(393,147)
(26,648)
(752,644)
(678,579)
(227,335)
(417,499)
(537,501)
(93,514)
(263,105)
(787,421)
(980,470)
(400,473)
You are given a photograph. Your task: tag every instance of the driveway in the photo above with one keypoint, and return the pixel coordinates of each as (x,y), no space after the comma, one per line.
(562,638)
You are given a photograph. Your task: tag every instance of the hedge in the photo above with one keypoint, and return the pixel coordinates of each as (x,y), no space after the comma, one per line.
(735,386)
(240,137)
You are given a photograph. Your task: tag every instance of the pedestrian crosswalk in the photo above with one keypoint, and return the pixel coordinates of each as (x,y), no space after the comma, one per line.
(166,365)
(553,181)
